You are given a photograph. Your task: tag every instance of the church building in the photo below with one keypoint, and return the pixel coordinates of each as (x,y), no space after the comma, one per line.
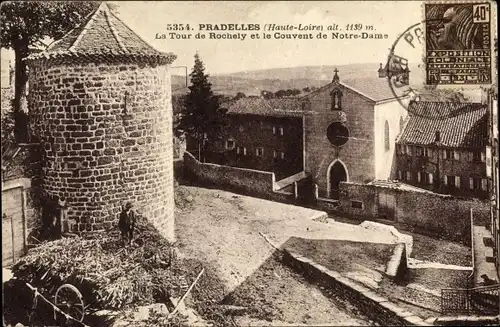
(350,128)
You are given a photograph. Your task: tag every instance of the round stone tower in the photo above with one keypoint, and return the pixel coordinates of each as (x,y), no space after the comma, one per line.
(100,106)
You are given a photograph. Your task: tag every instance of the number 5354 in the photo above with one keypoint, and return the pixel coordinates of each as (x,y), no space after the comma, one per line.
(178,27)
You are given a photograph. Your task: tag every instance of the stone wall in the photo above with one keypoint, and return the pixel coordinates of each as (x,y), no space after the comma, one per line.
(435,214)
(239,180)
(107,134)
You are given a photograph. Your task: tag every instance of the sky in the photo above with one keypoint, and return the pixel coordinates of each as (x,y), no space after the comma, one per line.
(147,18)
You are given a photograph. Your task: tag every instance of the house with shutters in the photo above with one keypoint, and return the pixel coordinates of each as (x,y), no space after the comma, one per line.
(262,134)
(443,148)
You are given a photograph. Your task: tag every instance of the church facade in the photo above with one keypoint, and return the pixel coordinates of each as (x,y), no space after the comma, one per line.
(350,129)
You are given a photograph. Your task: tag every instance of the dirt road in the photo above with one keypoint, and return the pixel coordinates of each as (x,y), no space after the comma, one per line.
(223,228)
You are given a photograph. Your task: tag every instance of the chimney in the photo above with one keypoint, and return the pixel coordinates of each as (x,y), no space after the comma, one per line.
(438,137)
(381,72)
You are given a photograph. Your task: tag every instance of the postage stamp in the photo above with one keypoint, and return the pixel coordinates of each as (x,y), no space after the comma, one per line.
(458,43)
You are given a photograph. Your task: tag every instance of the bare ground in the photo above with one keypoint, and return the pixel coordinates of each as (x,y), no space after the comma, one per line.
(427,248)
(223,229)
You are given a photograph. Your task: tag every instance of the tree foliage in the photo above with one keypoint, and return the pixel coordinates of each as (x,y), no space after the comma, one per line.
(286,93)
(267,94)
(26,24)
(202,119)
(240,95)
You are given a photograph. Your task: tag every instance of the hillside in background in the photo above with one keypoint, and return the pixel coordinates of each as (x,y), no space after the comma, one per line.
(252,82)
(310,72)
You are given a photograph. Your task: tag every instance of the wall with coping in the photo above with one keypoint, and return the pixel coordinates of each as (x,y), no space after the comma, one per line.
(373,306)
(240,180)
(442,215)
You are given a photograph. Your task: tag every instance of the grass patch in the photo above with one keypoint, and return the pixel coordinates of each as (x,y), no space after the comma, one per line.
(342,256)
(437,279)
(430,249)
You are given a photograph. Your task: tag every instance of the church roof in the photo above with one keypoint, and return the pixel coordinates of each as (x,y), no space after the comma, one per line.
(103,34)
(374,88)
(280,107)
(459,124)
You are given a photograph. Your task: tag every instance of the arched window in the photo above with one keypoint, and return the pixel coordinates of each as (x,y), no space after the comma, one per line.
(387,142)
(401,123)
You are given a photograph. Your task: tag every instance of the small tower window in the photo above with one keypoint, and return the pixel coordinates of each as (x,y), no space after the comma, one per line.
(336,100)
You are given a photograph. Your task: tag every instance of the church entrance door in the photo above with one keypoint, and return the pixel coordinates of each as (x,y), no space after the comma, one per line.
(337,174)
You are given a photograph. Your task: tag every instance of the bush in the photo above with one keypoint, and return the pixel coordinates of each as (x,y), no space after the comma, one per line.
(8,139)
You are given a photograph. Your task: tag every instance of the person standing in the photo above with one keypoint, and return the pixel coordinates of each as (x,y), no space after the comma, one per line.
(126,223)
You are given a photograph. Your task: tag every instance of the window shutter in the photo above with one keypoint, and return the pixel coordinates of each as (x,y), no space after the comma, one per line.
(483,156)
(408,176)
(444,154)
(244,151)
(281,130)
(471,183)
(400,175)
(484,184)
(431,181)
(282,155)
(238,150)
(457,181)
(456,155)
(419,176)
(275,154)
(408,150)
(274,130)
(445,180)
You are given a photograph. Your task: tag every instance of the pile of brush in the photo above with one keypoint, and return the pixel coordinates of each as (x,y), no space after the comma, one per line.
(109,274)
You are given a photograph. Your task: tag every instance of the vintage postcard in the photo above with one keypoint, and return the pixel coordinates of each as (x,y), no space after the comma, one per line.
(249,163)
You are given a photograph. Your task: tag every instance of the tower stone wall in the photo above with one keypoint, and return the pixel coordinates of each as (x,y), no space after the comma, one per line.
(106,130)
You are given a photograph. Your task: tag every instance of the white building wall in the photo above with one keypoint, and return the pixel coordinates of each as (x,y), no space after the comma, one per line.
(391,111)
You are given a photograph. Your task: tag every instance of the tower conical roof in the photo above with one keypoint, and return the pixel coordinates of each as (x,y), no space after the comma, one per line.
(102,34)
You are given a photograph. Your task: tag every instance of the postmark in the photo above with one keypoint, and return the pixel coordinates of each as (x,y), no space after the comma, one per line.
(401,79)
(405,71)
(458,43)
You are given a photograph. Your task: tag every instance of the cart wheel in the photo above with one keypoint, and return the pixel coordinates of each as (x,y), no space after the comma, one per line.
(70,301)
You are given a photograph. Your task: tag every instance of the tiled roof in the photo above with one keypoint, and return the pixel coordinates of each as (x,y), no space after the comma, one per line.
(374,88)
(265,107)
(459,124)
(102,33)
